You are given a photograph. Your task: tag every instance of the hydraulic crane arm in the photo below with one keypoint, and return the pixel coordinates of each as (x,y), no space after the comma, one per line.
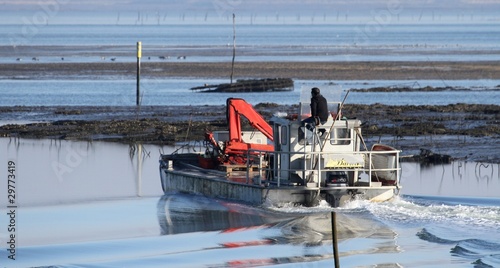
(235,149)
(239,107)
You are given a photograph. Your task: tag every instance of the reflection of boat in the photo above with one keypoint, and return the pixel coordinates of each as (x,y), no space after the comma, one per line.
(178,213)
(250,231)
(243,166)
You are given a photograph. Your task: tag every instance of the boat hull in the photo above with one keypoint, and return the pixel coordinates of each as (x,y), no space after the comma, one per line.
(219,187)
(270,195)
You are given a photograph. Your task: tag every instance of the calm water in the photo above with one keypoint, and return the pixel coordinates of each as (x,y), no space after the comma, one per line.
(335,42)
(441,35)
(176,92)
(93,205)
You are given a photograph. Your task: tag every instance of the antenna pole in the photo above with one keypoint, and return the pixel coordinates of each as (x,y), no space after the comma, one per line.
(234,47)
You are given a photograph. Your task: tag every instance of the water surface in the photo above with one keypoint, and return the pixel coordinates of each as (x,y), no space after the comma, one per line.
(93,205)
(172,92)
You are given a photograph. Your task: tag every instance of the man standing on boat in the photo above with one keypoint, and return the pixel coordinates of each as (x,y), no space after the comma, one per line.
(319,113)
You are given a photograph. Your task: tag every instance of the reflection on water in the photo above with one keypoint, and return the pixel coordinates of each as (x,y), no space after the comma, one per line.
(101,204)
(294,235)
(184,213)
(458,179)
(56,171)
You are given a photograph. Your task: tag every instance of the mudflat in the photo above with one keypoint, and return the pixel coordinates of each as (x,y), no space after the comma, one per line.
(347,70)
(465,131)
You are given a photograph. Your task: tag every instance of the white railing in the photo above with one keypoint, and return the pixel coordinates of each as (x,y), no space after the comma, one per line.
(314,163)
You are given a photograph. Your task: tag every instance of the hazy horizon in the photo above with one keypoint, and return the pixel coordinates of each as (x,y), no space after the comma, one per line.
(251,12)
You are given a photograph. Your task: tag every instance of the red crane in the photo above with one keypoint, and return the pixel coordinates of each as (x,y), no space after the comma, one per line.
(235,149)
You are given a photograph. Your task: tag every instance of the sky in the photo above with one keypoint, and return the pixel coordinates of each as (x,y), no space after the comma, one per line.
(247,5)
(277,10)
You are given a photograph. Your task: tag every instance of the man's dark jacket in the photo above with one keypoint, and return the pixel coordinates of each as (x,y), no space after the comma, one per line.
(319,107)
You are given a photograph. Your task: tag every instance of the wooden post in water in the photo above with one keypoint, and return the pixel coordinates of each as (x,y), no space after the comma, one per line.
(234,48)
(334,240)
(139,55)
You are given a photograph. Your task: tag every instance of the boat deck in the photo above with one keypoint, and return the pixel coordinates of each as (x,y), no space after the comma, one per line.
(239,174)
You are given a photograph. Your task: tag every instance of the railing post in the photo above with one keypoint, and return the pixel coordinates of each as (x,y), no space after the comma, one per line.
(248,166)
(260,168)
(370,169)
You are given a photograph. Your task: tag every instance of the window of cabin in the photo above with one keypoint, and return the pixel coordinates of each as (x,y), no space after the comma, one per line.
(341,136)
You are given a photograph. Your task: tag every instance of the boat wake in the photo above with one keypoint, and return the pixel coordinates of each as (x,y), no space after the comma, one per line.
(470,227)
(198,231)
(418,210)
(409,211)
(480,252)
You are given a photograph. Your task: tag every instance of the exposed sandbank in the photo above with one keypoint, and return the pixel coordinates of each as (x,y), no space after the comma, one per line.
(382,70)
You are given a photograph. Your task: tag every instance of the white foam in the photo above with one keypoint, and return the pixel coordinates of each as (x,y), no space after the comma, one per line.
(403,210)
(290,208)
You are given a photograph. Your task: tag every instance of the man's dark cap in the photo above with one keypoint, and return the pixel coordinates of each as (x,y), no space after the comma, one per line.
(315,91)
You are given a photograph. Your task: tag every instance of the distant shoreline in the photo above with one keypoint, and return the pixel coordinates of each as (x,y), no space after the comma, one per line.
(376,70)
